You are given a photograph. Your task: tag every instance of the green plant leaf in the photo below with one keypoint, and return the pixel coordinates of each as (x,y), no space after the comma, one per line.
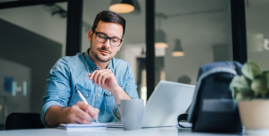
(245,96)
(259,84)
(240,85)
(239,97)
(251,69)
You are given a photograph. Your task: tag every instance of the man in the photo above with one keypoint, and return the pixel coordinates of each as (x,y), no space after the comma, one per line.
(102,79)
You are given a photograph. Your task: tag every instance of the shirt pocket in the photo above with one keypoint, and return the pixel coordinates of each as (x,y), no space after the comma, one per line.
(110,101)
(88,95)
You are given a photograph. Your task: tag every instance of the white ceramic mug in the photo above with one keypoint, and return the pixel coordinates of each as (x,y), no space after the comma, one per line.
(131,111)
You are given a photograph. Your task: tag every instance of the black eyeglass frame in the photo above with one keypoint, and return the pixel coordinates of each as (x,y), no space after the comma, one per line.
(107,37)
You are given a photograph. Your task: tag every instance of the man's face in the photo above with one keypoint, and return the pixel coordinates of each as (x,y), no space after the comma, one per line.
(103,52)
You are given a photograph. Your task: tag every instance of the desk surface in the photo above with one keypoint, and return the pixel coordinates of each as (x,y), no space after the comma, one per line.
(165,131)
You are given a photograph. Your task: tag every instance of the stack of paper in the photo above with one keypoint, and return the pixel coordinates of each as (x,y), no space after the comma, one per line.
(114,125)
(89,127)
(83,127)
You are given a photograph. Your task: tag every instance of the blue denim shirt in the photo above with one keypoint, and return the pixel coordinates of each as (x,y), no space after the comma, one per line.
(70,74)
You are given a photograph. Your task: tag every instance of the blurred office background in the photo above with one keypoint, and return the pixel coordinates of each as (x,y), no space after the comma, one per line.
(188,34)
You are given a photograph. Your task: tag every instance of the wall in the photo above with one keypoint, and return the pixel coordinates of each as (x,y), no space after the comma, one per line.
(46,47)
(39,21)
(17,102)
(24,47)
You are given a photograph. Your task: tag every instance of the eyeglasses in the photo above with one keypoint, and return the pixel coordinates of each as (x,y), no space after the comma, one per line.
(101,37)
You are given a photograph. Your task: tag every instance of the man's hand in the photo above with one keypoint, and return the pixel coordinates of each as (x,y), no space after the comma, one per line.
(79,113)
(105,79)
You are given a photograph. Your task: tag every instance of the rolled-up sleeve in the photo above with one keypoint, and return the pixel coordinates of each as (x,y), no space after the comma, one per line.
(130,86)
(57,91)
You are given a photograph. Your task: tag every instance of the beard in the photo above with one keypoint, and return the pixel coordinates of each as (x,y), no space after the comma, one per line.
(98,58)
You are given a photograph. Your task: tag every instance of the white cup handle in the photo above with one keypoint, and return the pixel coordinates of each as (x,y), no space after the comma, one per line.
(116,105)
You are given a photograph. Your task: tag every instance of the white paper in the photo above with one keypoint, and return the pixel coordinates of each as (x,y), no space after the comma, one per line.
(94,126)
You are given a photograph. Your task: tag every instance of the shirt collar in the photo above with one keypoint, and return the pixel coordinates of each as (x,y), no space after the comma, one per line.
(92,64)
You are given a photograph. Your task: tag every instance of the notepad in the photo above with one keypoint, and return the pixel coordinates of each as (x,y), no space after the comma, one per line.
(83,127)
(114,125)
(89,127)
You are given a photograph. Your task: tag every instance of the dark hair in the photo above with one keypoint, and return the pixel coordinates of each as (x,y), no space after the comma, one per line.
(109,16)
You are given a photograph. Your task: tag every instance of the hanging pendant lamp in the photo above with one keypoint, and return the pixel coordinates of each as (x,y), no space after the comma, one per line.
(160,36)
(160,41)
(178,51)
(122,6)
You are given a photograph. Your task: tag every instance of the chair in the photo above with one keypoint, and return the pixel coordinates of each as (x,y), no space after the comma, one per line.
(23,121)
(2,127)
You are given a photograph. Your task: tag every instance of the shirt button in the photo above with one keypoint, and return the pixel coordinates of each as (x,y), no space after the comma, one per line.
(98,94)
(86,95)
(109,93)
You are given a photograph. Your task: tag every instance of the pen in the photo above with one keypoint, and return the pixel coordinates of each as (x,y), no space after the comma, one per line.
(84,100)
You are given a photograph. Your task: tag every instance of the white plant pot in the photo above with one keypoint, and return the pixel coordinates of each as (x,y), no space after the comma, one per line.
(254,113)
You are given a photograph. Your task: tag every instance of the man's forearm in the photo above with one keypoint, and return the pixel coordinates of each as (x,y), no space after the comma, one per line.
(55,115)
(120,94)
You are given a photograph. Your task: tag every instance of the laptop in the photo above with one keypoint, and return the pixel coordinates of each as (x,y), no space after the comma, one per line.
(166,103)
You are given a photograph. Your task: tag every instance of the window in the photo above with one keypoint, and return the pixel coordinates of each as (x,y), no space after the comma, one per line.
(32,40)
(188,35)
(257,31)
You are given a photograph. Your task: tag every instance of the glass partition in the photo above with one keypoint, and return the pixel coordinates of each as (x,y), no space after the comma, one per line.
(190,34)
(32,39)
(257,31)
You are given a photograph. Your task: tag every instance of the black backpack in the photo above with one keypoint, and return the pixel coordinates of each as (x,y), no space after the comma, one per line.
(213,109)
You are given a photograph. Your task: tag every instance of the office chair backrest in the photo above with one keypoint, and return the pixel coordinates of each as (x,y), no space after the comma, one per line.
(23,121)
(213,108)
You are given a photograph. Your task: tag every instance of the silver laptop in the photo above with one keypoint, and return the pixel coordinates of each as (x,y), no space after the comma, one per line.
(168,100)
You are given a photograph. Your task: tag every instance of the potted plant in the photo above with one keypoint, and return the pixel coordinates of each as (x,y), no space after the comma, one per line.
(250,90)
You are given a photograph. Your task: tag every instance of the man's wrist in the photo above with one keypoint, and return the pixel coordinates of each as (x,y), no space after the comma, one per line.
(56,115)
(64,116)
(119,94)
(116,90)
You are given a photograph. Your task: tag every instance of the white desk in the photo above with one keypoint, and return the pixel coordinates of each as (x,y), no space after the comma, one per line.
(165,131)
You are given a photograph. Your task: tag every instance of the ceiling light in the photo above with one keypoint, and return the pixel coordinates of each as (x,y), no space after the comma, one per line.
(160,41)
(122,6)
(161,45)
(178,51)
